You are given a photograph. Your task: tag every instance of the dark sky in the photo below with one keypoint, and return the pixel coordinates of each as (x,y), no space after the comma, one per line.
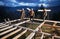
(14,3)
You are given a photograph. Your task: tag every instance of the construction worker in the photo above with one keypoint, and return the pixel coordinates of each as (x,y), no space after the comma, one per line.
(32,14)
(45,14)
(23,14)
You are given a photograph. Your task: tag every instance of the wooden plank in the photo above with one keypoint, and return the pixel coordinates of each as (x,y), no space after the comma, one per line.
(22,22)
(48,20)
(39,26)
(13,20)
(6,28)
(54,26)
(52,21)
(42,36)
(11,33)
(45,10)
(18,23)
(19,35)
(45,33)
(26,28)
(52,37)
(57,36)
(3,26)
(33,33)
(8,31)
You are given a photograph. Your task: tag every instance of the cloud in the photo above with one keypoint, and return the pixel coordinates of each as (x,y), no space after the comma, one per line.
(44,0)
(29,1)
(1,3)
(12,1)
(27,4)
(9,3)
(15,3)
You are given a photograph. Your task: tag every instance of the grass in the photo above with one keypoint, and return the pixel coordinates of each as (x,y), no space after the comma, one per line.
(25,35)
(51,30)
(47,29)
(30,25)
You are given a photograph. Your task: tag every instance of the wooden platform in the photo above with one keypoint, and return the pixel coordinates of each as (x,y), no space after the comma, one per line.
(15,31)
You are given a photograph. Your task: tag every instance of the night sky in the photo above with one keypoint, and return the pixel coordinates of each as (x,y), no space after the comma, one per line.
(15,3)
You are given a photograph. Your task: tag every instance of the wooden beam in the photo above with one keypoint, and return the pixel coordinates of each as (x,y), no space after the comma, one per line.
(8,31)
(19,35)
(33,33)
(45,10)
(6,28)
(11,33)
(22,22)
(3,26)
(57,37)
(42,36)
